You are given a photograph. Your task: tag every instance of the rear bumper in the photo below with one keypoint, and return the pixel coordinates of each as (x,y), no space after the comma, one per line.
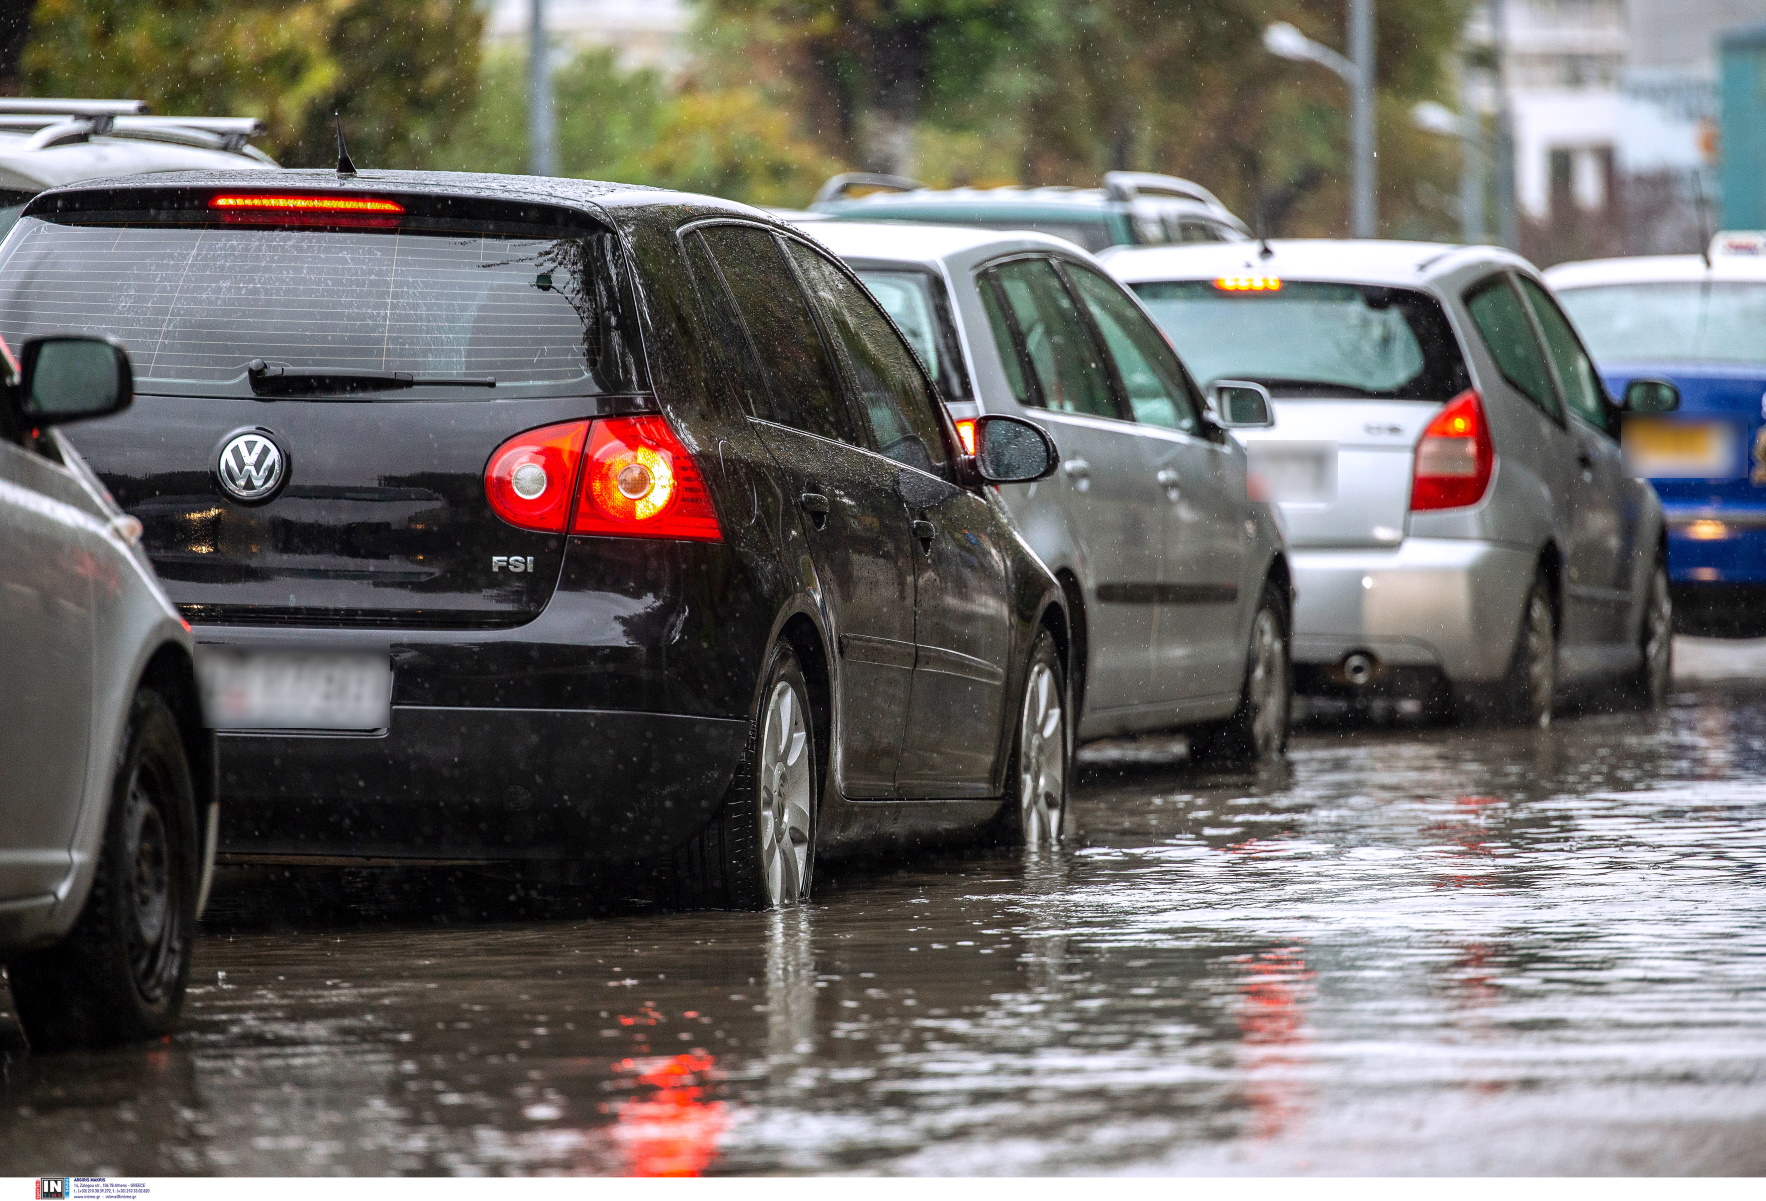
(1444,603)
(607,727)
(1725,545)
(479,784)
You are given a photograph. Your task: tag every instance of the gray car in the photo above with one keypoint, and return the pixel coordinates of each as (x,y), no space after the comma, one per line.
(107,798)
(1447,464)
(1175,577)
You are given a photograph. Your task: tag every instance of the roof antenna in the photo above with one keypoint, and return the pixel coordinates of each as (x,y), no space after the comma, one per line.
(345,168)
(1264,250)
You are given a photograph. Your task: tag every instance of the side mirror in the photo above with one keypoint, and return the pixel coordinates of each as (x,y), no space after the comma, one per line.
(1011,450)
(1242,405)
(1649,395)
(71,377)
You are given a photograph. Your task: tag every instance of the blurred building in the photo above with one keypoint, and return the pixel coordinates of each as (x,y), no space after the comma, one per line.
(643,33)
(1614,110)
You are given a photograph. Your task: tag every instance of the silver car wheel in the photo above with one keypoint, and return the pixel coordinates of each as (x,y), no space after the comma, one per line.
(785,797)
(1268,685)
(1541,646)
(1042,759)
(1658,638)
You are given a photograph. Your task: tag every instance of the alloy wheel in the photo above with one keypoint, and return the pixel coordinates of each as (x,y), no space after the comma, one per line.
(1658,638)
(1042,759)
(1541,659)
(1268,685)
(785,796)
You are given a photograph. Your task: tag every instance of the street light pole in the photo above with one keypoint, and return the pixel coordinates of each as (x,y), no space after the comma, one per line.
(1507,219)
(542,157)
(1364,209)
(1356,70)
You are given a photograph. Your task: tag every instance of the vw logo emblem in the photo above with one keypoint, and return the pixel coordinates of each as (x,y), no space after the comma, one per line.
(251,466)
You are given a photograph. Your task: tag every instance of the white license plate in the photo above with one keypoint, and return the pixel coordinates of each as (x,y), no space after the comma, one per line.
(285,690)
(1296,472)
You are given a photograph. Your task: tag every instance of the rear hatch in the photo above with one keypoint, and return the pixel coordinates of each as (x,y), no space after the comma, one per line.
(1341,469)
(1355,371)
(357,370)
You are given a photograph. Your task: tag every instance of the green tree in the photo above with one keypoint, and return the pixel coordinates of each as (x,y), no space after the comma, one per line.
(606,118)
(400,72)
(873,67)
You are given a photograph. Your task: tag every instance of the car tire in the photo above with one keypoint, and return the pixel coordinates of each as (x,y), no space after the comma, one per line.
(759,851)
(1257,731)
(1655,674)
(1035,814)
(1528,694)
(119,975)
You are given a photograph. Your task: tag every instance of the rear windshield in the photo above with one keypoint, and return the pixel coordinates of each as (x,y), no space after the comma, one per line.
(194,306)
(1679,322)
(1313,339)
(915,301)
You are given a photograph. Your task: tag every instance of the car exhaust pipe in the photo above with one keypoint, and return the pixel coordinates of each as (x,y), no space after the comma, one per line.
(1358,668)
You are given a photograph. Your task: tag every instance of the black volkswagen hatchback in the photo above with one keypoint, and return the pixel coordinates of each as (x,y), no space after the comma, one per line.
(526,519)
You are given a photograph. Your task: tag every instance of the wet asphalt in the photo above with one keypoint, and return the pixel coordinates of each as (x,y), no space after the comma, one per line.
(1407,951)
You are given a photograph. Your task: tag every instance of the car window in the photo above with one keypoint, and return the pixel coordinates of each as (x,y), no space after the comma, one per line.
(1307,339)
(1685,322)
(1496,310)
(195,305)
(1005,339)
(804,391)
(1158,391)
(1582,387)
(1063,358)
(892,394)
(915,300)
(729,342)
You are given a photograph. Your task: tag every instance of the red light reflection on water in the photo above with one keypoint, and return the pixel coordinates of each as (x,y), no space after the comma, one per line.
(1272,1019)
(675,1130)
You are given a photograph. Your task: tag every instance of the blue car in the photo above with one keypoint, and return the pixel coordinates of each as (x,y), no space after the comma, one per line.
(1701,325)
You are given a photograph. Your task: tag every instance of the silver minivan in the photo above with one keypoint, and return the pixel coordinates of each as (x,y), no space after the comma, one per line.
(107,774)
(1446,461)
(1176,578)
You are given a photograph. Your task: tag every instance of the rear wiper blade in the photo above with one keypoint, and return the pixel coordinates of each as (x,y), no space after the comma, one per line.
(269,380)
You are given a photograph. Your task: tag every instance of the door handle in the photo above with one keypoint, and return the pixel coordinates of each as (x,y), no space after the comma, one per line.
(816,505)
(925,531)
(1168,481)
(1587,462)
(1078,473)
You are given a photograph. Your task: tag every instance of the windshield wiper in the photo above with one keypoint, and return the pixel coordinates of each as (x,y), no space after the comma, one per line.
(268,380)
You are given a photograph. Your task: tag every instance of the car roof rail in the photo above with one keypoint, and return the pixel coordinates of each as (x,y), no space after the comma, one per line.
(838,186)
(72,108)
(1126,185)
(60,122)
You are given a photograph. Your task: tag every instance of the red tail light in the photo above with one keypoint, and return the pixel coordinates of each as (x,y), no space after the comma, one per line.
(638,480)
(264,208)
(531,480)
(620,476)
(966,434)
(1454,458)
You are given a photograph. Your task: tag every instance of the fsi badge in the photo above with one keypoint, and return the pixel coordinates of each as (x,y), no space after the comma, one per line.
(54,1188)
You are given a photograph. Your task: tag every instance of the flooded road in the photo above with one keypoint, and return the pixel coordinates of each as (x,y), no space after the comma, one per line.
(1435,951)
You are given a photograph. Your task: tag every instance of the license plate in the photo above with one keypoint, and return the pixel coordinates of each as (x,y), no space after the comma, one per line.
(278,690)
(1296,472)
(1701,450)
